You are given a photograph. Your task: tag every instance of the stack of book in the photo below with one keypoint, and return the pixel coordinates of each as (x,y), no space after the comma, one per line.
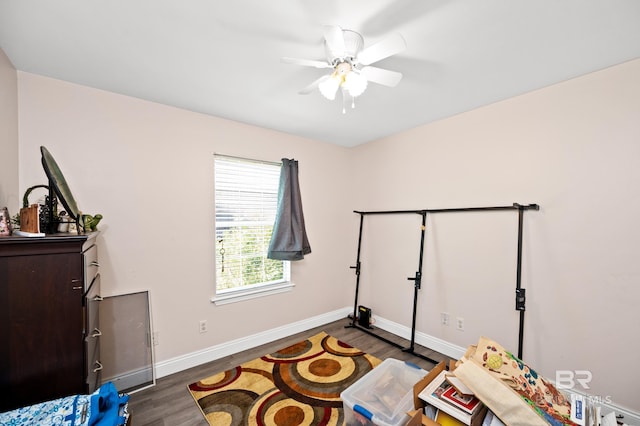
(449,402)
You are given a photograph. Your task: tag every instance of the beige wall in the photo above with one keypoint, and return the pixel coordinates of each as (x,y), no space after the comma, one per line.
(573,148)
(148,169)
(8,135)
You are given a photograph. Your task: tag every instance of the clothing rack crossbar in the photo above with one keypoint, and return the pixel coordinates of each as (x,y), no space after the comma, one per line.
(514,206)
(520,292)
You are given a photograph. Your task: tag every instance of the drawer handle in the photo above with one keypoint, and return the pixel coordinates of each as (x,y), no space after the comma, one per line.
(76,280)
(94,263)
(96,332)
(98,367)
(98,298)
(77,287)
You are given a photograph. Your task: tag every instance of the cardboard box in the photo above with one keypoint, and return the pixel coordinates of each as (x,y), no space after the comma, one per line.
(417,417)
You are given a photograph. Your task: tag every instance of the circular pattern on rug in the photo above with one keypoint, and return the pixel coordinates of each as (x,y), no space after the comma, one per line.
(277,409)
(299,385)
(293,351)
(227,408)
(289,415)
(302,382)
(218,381)
(338,347)
(324,367)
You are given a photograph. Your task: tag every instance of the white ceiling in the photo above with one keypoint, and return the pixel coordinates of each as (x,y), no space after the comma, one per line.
(223,57)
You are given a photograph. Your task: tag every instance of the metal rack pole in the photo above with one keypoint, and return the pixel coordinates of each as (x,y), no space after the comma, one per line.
(417,281)
(357,268)
(520,292)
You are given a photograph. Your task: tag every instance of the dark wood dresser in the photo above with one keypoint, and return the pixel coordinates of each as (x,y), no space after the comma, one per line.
(49,331)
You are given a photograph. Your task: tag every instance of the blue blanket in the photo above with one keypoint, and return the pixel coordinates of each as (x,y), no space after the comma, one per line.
(104,407)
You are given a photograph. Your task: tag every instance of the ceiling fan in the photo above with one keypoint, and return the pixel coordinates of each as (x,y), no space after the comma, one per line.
(351,64)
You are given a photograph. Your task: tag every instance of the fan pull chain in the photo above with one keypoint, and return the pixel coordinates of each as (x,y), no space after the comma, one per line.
(344,101)
(222,251)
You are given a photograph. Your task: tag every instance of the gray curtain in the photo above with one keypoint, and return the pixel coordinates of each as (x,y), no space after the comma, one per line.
(289,238)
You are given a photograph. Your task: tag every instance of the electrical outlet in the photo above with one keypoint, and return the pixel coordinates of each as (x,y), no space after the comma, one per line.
(155,339)
(444,318)
(203,326)
(460,323)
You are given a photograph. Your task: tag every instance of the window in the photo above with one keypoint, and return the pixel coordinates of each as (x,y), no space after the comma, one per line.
(246,197)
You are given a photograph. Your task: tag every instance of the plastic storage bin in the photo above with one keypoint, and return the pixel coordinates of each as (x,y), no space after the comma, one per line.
(383,396)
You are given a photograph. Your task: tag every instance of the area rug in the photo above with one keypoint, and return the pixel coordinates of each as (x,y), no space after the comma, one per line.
(297,385)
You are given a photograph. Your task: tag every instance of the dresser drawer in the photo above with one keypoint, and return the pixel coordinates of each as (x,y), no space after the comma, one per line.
(93,334)
(92,305)
(94,366)
(91,265)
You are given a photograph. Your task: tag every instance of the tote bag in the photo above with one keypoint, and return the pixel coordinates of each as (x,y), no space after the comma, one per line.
(516,393)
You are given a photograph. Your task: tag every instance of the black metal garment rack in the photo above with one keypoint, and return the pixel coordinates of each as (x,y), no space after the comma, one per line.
(417,279)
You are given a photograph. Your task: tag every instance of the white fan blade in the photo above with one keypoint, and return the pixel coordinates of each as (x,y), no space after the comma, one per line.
(383,49)
(306,62)
(313,86)
(381,76)
(335,40)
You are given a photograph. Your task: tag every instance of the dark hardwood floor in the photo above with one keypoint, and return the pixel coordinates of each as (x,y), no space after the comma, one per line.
(169,403)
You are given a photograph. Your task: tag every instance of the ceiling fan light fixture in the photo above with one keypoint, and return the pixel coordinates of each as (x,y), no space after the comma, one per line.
(329,87)
(351,64)
(355,83)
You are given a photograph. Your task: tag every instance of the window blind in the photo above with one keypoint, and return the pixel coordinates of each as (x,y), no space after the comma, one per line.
(246,197)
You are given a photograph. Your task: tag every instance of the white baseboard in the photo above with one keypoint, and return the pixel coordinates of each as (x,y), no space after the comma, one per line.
(630,418)
(174,365)
(438,345)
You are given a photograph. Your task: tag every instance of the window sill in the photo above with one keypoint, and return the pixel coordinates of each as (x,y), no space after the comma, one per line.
(240,295)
